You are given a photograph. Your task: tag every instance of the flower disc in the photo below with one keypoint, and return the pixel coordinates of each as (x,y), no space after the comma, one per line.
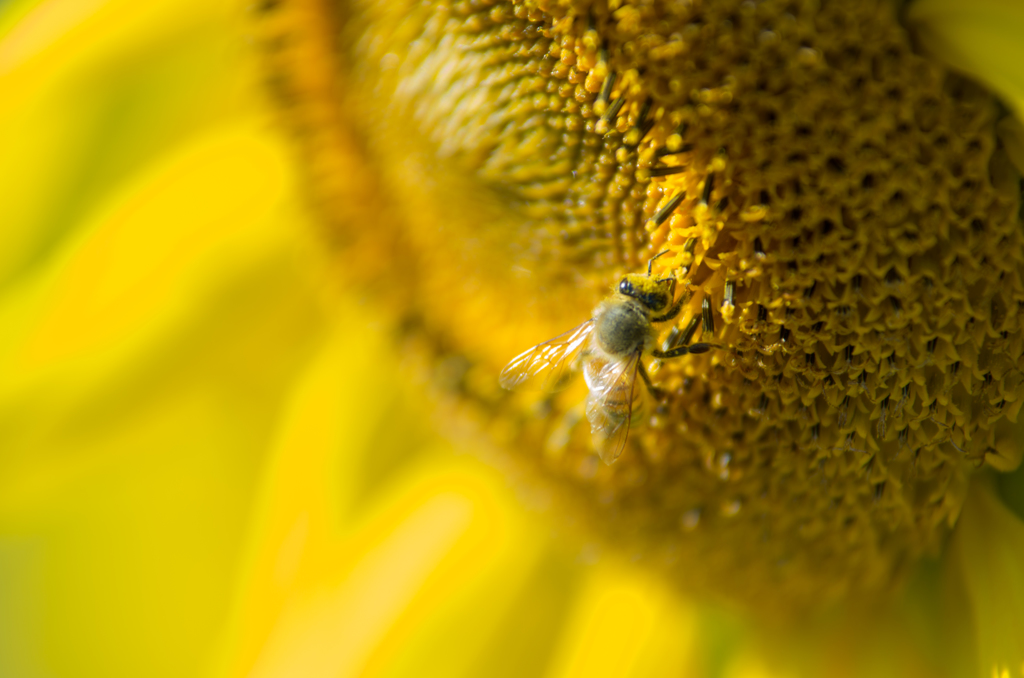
(836,207)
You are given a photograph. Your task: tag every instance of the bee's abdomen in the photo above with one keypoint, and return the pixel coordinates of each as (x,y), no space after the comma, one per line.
(621,328)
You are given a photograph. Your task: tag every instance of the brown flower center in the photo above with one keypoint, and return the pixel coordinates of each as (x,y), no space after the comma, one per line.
(836,205)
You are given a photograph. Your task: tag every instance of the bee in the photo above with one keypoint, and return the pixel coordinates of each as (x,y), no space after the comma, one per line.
(609,346)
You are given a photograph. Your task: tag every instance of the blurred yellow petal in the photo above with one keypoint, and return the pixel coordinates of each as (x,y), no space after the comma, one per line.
(153,312)
(86,105)
(128,286)
(987,552)
(981,38)
(626,625)
(332,589)
(42,33)
(749,665)
(125,502)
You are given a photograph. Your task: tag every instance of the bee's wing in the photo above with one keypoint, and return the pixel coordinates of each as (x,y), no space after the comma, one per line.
(610,405)
(549,360)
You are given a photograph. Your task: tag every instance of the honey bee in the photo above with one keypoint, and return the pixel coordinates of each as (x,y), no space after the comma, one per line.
(609,346)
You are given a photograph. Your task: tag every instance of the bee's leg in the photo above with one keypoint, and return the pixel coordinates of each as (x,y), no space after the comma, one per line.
(655,391)
(674,311)
(683,338)
(683,350)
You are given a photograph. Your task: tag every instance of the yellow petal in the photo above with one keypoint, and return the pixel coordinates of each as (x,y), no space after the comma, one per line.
(624,624)
(42,33)
(123,503)
(987,555)
(338,587)
(142,278)
(139,79)
(981,38)
(152,313)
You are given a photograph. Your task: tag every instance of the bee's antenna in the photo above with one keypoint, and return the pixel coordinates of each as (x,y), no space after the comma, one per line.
(651,262)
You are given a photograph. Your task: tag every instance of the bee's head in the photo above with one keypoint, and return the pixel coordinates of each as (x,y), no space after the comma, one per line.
(655,295)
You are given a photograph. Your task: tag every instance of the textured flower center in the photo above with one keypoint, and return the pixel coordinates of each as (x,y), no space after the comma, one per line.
(835,207)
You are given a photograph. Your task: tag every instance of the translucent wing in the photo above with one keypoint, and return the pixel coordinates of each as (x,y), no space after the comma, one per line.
(549,360)
(612,386)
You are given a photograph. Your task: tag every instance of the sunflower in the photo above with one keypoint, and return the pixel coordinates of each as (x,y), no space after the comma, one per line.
(217,458)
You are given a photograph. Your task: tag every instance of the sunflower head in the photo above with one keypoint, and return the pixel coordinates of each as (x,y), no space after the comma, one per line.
(835,209)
